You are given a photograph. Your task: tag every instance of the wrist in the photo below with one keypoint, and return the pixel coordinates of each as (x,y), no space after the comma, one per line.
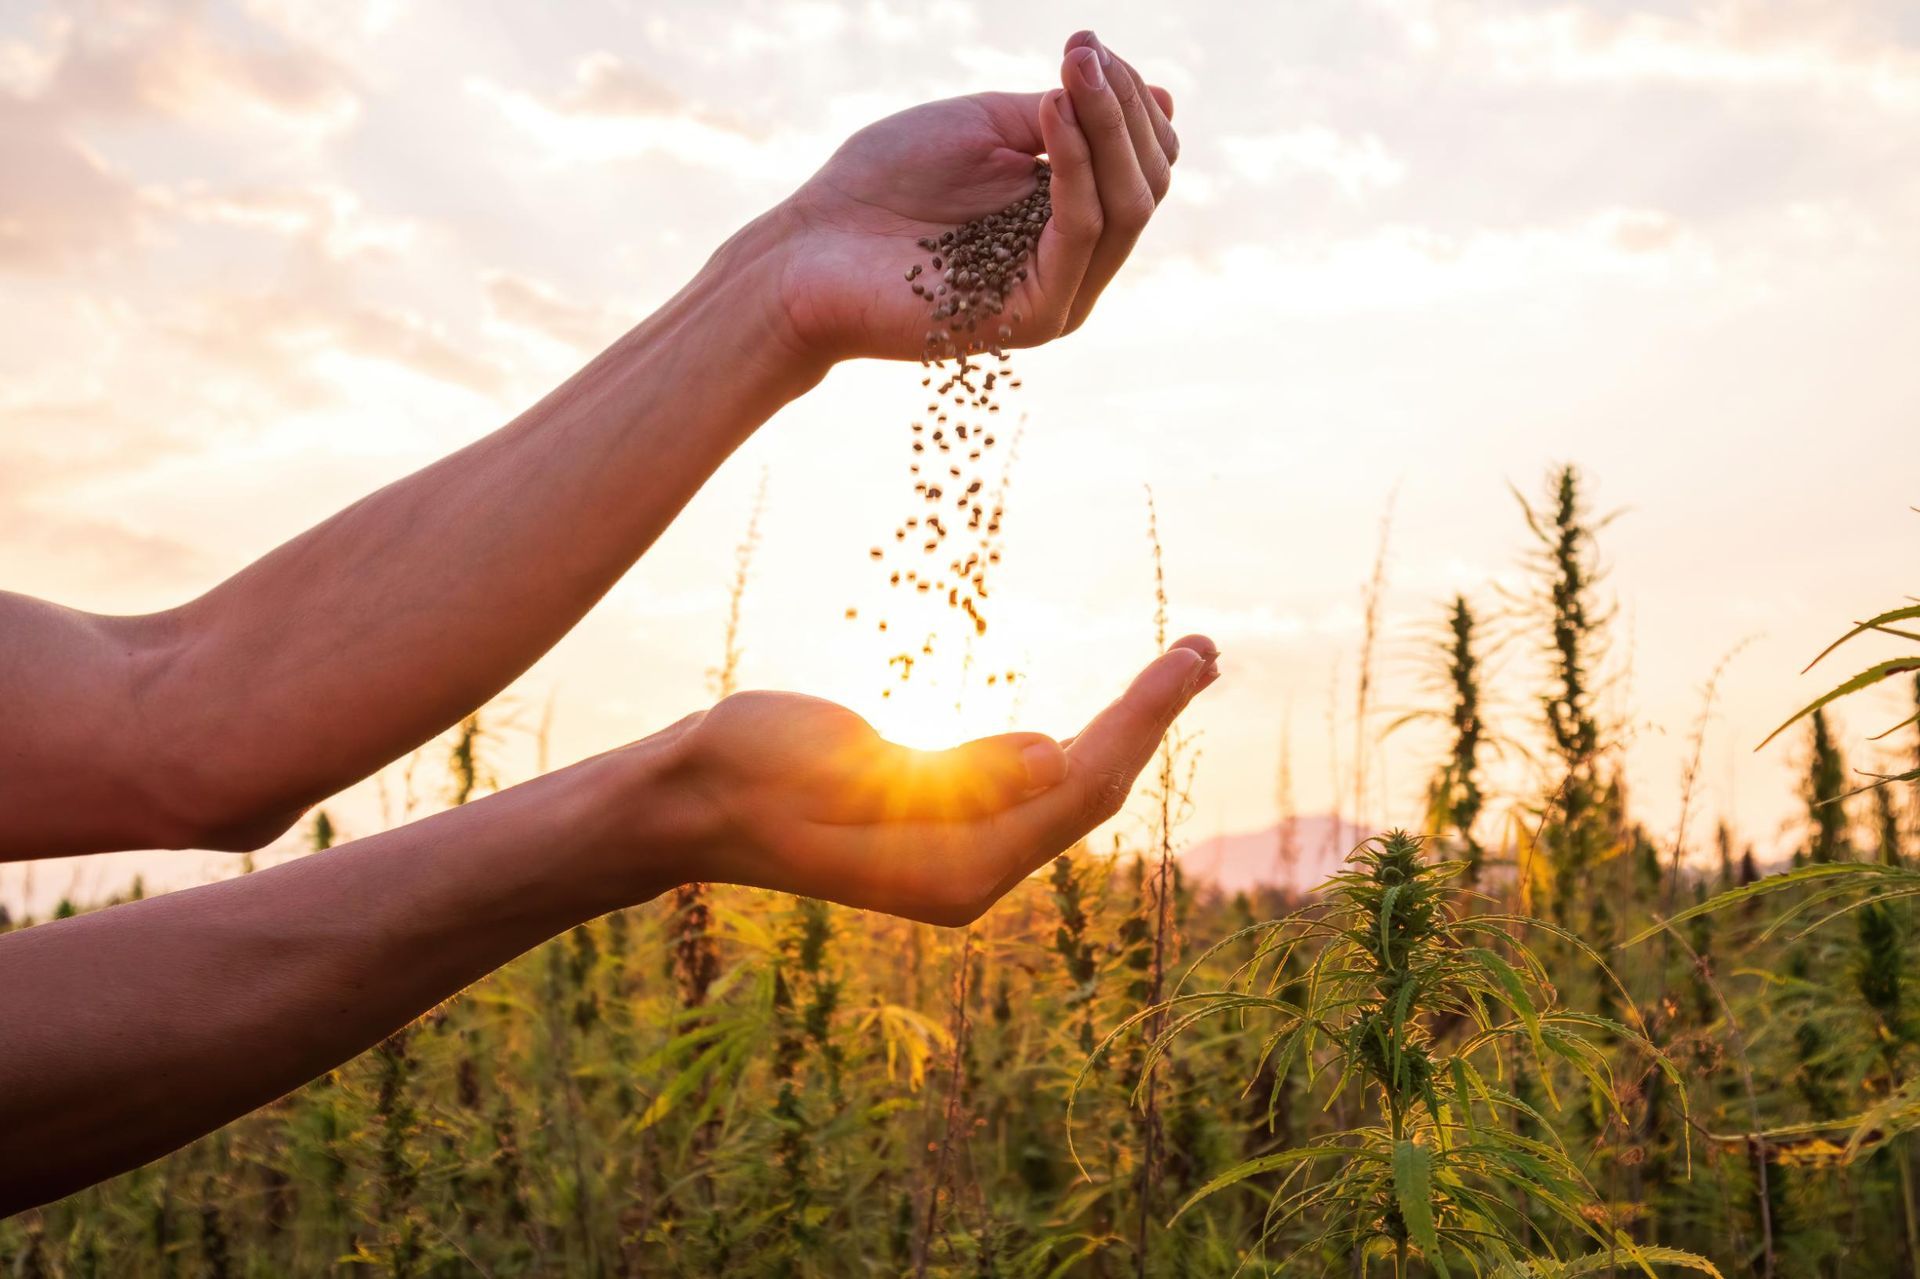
(641,826)
(746,280)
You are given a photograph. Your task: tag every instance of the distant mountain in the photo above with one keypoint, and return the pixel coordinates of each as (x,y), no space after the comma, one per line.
(1252,859)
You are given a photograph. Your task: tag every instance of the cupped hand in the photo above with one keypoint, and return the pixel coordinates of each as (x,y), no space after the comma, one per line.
(1108,136)
(803,796)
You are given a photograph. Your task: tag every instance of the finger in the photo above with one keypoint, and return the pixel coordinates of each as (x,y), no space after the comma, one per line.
(1126,201)
(1110,752)
(1210,655)
(1068,240)
(1161,98)
(1107,755)
(1139,108)
(1159,113)
(1016,117)
(1105,760)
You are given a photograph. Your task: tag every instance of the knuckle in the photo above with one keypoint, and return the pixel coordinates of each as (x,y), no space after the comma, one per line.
(1085,223)
(1107,126)
(1107,793)
(1135,207)
(1159,179)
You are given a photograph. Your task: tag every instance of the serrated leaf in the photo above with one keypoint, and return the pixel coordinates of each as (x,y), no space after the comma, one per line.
(1879,623)
(1597,1262)
(1865,679)
(1772,884)
(1413,1190)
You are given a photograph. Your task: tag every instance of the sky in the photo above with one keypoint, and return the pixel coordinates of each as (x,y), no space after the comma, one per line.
(258,258)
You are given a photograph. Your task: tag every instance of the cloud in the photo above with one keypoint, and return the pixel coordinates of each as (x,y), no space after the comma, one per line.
(320,217)
(1828,49)
(99,547)
(278,337)
(567,135)
(60,204)
(528,304)
(606,85)
(124,63)
(615,109)
(49,451)
(54,444)
(1357,165)
(132,60)
(1641,230)
(1413,266)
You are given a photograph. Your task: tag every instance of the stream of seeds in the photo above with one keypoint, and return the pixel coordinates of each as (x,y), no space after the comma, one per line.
(943,548)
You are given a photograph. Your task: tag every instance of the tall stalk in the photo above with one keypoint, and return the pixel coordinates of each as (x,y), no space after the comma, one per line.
(695,956)
(1455,796)
(1566,561)
(1372,598)
(1286,826)
(1162,905)
(1825,793)
(953,1114)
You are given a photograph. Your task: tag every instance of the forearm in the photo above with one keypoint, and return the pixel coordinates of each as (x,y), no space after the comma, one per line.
(382,626)
(135,1029)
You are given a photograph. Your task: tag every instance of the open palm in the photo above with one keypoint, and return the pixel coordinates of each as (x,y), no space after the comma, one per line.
(805,797)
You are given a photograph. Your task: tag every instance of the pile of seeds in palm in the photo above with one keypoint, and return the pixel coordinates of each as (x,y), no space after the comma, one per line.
(943,548)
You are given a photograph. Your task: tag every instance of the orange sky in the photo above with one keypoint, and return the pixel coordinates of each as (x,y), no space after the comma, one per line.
(259,258)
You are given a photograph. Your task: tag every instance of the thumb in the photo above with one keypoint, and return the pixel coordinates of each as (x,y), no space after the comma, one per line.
(1067,240)
(1106,757)
(1109,753)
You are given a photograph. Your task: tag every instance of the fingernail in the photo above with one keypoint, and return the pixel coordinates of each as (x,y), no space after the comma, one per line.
(1064,105)
(1100,48)
(1045,765)
(1088,63)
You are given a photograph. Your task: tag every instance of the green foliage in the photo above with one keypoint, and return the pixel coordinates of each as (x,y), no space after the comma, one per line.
(1401,1073)
(1411,1009)
(1826,796)
(1456,796)
(1574,831)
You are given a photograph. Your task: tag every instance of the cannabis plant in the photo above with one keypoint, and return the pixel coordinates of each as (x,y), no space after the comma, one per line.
(1415,1017)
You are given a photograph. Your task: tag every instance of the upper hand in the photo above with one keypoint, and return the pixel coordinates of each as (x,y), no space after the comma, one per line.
(854,224)
(801,795)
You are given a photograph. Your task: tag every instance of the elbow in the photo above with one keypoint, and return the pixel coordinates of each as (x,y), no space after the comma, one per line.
(205,782)
(221,823)
(246,829)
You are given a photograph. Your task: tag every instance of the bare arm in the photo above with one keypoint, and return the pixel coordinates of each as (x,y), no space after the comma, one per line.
(136,1029)
(214,724)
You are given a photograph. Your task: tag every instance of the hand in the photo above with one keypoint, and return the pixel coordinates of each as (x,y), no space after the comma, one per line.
(803,796)
(928,169)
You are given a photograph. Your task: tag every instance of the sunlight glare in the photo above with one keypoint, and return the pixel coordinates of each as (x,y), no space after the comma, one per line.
(933,714)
